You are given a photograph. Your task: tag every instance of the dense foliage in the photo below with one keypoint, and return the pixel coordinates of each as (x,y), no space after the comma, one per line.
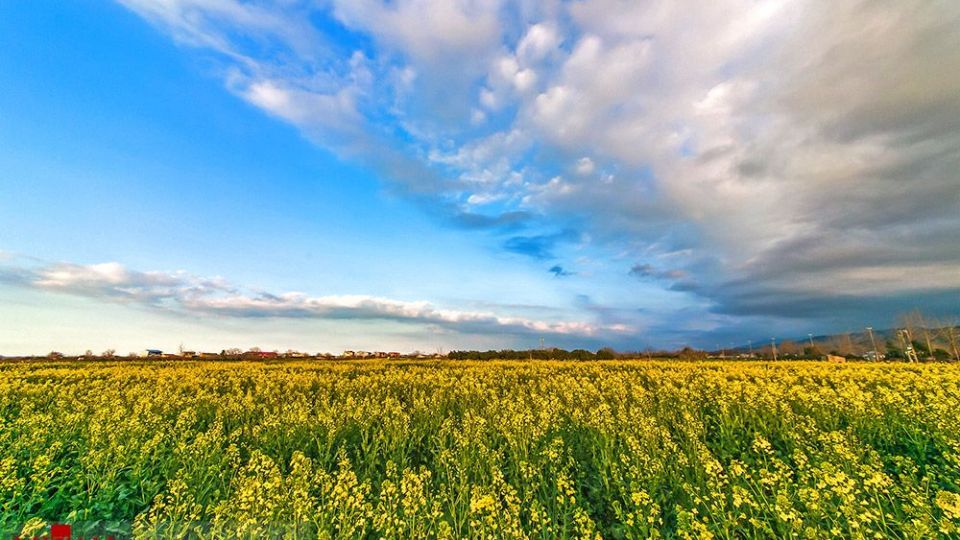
(487,450)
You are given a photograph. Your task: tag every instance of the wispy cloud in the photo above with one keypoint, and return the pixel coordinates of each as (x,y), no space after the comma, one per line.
(186,293)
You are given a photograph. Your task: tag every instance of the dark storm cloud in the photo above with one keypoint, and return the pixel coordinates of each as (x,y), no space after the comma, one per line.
(838,310)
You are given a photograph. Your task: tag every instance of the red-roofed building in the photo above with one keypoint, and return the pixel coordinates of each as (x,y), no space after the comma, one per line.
(262,354)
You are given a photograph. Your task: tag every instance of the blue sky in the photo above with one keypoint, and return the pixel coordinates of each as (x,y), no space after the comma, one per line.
(472,174)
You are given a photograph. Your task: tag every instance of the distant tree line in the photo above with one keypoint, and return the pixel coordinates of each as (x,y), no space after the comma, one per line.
(916,337)
(605,353)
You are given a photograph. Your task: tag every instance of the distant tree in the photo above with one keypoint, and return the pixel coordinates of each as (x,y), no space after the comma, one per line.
(763,351)
(789,348)
(88,354)
(918,328)
(606,353)
(837,345)
(950,331)
(689,353)
(581,354)
(530,354)
(109,353)
(847,348)
(893,351)
(54,355)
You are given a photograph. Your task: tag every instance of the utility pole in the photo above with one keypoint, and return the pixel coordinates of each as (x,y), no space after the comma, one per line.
(773,347)
(952,339)
(906,343)
(911,352)
(876,353)
(812,348)
(541,343)
(750,346)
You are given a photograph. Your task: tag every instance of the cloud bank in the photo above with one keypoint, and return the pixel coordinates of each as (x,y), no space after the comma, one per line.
(776,157)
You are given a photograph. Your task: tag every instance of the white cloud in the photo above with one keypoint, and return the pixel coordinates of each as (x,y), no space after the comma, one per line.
(305,108)
(541,40)
(585,166)
(426,30)
(209,23)
(483,198)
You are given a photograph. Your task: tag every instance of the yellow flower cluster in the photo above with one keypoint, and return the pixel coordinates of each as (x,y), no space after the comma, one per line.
(438,449)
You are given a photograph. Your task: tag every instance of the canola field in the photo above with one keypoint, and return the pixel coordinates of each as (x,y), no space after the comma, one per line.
(442,449)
